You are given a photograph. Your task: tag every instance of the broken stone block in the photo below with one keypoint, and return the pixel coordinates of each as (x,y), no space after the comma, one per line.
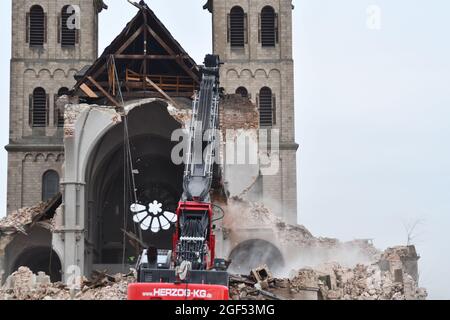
(42,279)
(261,274)
(242,286)
(334,295)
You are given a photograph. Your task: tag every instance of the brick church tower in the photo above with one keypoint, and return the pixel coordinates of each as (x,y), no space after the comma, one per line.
(254,40)
(52,40)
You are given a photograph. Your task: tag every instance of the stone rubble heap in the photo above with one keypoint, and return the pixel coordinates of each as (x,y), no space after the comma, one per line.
(331,281)
(241,214)
(328,281)
(388,275)
(24,285)
(21,218)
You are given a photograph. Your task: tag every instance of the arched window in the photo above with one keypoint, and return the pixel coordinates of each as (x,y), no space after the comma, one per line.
(39,108)
(62,91)
(36,26)
(68,33)
(50,185)
(266,107)
(237,27)
(268,27)
(242,92)
(59,110)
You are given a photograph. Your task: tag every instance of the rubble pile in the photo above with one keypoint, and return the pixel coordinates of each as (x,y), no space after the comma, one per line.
(361,273)
(181,114)
(19,219)
(24,285)
(331,281)
(241,214)
(252,214)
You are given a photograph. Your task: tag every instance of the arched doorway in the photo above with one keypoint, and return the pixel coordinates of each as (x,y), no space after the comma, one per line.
(40,259)
(109,184)
(251,254)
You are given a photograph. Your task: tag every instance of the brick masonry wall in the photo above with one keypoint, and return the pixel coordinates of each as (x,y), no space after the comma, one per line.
(51,67)
(255,67)
(25,174)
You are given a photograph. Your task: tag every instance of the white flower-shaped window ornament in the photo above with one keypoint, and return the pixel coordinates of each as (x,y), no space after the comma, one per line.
(153,216)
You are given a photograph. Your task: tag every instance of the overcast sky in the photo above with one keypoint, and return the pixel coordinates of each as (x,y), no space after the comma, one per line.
(372,110)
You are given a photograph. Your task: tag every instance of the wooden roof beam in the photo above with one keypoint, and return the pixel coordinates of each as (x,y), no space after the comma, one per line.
(148,57)
(165,95)
(105,93)
(121,49)
(88,91)
(172,53)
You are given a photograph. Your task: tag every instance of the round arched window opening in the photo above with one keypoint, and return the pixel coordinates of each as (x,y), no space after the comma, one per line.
(237,27)
(36,26)
(68,32)
(269,27)
(50,185)
(266,107)
(242,91)
(38,108)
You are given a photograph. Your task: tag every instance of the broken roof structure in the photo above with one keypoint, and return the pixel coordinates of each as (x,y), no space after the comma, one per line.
(24,219)
(144,60)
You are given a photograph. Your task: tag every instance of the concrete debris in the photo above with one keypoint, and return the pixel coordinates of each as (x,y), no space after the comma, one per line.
(241,214)
(24,285)
(18,220)
(262,276)
(331,281)
(182,115)
(22,220)
(301,247)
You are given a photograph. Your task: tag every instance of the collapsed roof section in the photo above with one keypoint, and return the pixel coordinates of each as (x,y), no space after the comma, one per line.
(23,220)
(144,61)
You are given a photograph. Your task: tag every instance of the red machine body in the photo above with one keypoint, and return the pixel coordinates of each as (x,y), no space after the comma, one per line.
(170,292)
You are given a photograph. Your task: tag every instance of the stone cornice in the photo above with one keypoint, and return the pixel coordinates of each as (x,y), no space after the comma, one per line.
(34,148)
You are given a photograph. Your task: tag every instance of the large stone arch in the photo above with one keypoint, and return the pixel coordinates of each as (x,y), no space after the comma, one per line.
(253,253)
(40,259)
(34,250)
(109,188)
(95,209)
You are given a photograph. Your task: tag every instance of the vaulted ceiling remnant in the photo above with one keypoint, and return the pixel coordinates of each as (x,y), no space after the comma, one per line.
(144,60)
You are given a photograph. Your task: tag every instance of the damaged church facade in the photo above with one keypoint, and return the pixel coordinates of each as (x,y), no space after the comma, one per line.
(92,135)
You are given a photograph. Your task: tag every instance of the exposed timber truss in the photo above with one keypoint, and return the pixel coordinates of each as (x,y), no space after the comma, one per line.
(148,62)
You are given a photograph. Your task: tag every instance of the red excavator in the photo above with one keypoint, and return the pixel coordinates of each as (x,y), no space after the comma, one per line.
(190,270)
